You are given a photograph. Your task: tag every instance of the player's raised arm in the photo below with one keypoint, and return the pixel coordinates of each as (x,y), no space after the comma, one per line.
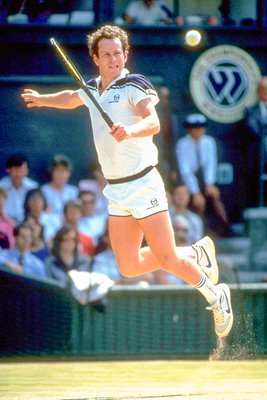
(67,99)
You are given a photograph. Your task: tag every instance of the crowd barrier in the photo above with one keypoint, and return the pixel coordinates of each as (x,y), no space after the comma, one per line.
(39,317)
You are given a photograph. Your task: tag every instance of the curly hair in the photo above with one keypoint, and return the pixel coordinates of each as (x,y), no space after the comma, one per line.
(107,32)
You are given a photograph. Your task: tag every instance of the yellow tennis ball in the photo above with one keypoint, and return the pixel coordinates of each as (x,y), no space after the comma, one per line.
(192,38)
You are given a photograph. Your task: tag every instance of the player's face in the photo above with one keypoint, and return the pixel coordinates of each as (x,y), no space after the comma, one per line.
(111,58)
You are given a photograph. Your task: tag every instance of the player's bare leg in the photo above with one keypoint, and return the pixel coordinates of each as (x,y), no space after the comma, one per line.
(126,235)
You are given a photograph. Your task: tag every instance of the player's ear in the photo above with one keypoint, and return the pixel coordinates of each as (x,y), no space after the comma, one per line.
(126,55)
(96,61)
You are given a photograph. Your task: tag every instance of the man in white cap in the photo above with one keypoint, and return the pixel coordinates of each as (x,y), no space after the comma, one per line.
(197,160)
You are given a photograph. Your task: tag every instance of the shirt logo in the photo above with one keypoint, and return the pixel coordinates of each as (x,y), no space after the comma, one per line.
(116,98)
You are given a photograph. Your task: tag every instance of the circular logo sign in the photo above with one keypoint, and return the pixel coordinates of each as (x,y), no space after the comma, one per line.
(223,82)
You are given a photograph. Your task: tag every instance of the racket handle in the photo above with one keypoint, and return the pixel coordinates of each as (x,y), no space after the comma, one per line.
(107,119)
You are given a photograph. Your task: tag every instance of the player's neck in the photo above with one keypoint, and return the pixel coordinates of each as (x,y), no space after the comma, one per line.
(105,82)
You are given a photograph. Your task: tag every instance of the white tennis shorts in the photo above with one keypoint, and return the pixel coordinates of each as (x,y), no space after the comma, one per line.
(140,198)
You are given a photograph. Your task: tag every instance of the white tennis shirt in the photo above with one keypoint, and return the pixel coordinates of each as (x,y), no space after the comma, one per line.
(119,100)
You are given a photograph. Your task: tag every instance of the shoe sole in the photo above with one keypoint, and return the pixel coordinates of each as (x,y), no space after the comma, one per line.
(227,292)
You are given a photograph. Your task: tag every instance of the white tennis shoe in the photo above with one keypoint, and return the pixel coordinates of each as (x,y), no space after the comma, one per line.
(222,312)
(206,258)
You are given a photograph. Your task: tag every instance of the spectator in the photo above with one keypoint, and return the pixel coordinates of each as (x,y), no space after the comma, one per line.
(180,207)
(146,12)
(181,230)
(91,224)
(197,160)
(73,269)
(16,184)
(39,246)
(58,191)
(20,259)
(38,11)
(72,216)
(66,256)
(7,224)
(35,206)
(253,137)
(96,185)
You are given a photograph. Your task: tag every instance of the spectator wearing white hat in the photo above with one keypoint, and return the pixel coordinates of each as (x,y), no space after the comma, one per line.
(197,161)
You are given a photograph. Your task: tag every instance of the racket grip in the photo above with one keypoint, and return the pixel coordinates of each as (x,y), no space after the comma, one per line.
(107,119)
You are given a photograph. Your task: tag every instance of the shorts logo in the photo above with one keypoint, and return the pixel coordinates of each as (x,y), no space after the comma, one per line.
(116,98)
(154,203)
(223,82)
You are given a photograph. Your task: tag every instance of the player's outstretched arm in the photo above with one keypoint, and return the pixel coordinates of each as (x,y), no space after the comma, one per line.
(67,99)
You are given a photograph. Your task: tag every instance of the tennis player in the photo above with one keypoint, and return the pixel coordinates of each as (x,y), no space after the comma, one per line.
(137,201)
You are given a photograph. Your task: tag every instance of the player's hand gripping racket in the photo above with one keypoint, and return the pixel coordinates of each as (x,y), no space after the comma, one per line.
(79,80)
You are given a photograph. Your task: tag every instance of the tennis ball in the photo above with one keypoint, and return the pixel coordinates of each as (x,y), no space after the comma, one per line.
(192,38)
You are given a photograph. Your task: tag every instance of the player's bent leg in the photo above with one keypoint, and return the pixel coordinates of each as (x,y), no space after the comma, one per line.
(159,235)
(126,240)
(126,235)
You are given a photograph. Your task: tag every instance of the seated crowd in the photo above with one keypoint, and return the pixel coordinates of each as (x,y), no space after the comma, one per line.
(50,229)
(85,13)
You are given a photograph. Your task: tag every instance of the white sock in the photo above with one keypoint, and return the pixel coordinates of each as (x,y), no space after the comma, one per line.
(210,291)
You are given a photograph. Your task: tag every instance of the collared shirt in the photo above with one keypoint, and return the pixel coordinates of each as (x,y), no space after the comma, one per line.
(93,226)
(14,204)
(59,271)
(119,100)
(187,156)
(105,263)
(31,264)
(51,223)
(56,200)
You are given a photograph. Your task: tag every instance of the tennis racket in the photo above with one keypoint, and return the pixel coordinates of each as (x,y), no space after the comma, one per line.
(79,80)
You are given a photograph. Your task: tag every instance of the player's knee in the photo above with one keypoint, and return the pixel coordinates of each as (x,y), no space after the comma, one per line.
(167,261)
(128,269)
(174,264)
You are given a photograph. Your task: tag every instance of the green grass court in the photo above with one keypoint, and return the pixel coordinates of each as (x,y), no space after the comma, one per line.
(148,380)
